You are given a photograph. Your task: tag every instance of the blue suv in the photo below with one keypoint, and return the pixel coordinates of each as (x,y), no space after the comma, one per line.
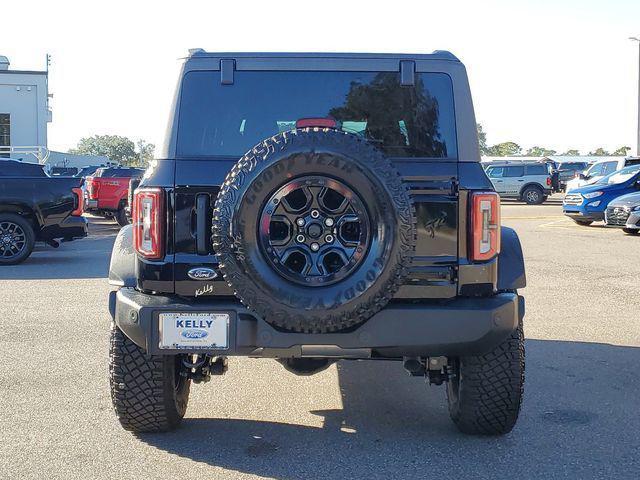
(587,204)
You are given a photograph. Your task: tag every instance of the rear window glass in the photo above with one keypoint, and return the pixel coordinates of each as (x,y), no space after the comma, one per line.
(118,172)
(537,170)
(514,171)
(227,120)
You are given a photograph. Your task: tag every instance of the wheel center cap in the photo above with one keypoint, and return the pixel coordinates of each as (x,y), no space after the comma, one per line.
(314,230)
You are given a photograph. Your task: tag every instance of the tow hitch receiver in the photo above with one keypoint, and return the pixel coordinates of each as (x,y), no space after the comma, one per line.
(435,369)
(199,368)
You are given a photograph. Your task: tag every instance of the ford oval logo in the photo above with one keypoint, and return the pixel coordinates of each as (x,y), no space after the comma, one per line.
(194,333)
(202,273)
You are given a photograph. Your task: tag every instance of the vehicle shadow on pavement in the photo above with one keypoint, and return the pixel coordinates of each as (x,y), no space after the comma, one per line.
(84,258)
(579,420)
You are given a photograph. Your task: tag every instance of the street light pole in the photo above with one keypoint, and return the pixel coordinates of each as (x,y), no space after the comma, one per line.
(637,39)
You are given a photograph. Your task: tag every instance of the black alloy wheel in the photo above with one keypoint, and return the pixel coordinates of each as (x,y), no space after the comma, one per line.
(314,230)
(16,239)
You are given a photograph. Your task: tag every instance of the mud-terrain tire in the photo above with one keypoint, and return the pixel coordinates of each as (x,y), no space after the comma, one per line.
(20,239)
(147,391)
(325,154)
(486,392)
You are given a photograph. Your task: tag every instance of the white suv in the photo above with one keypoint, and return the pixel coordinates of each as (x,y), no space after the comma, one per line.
(530,182)
(600,169)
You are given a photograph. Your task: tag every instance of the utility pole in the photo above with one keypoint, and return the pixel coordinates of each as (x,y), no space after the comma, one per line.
(637,39)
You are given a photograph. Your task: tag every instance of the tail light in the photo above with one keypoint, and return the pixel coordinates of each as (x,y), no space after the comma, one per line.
(548,181)
(77,191)
(92,188)
(485,226)
(148,222)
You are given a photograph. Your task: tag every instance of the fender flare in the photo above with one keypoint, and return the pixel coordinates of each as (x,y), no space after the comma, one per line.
(122,269)
(511,272)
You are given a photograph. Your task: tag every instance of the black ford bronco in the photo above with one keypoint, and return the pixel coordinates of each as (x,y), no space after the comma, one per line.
(311,208)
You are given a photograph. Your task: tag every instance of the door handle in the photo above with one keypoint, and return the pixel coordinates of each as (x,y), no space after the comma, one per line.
(202,207)
(521,180)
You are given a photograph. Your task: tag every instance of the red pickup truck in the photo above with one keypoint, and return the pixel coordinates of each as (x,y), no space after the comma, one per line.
(106,192)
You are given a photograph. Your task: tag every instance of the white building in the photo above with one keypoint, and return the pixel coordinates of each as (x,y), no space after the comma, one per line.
(24,113)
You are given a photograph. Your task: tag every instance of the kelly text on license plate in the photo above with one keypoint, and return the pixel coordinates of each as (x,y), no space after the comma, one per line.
(194,330)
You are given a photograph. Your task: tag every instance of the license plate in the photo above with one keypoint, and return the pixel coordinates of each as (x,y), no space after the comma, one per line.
(194,330)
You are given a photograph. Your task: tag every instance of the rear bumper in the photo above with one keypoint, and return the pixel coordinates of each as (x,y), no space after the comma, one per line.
(69,229)
(464,326)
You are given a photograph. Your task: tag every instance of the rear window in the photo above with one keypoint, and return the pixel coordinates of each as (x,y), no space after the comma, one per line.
(573,166)
(537,170)
(118,172)
(404,121)
(514,171)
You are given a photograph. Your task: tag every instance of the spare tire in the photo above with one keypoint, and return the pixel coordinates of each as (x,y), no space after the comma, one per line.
(314,230)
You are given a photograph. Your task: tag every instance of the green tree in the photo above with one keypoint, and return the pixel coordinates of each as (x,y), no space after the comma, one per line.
(540,152)
(116,148)
(572,152)
(505,149)
(482,140)
(623,151)
(600,152)
(145,152)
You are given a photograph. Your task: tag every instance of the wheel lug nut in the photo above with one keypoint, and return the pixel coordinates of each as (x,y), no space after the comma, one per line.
(329,222)
(300,238)
(328,238)
(315,247)
(300,222)
(315,213)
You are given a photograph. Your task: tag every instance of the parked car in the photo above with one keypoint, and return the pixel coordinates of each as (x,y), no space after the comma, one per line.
(599,170)
(624,212)
(587,204)
(567,171)
(106,192)
(344,231)
(531,182)
(36,207)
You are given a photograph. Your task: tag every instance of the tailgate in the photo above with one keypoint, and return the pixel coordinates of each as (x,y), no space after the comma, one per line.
(433,186)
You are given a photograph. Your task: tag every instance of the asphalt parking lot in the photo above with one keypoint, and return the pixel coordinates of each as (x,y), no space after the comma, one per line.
(355,420)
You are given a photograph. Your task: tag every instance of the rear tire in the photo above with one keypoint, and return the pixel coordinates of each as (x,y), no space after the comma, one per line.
(631,231)
(121,217)
(147,391)
(485,395)
(532,196)
(584,223)
(17,239)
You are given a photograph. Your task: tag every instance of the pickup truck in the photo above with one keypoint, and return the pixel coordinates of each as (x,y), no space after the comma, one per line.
(106,192)
(36,207)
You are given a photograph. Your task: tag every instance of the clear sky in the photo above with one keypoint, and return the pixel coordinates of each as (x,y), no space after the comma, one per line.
(559,74)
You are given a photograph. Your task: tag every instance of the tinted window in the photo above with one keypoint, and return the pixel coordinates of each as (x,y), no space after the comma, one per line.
(228,120)
(514,172)
(573,166)
(596,170)
(119,172)
(610,167)
(495,172)
(537,170)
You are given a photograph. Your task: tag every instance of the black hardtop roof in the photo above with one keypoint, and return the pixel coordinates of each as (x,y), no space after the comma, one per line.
(435,55)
